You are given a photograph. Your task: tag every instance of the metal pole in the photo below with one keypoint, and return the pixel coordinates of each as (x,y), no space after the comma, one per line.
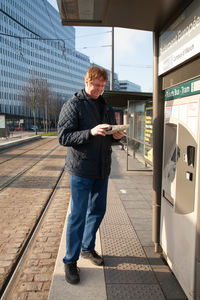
(158,120)
(46,111)
(197,252)
(112,62)
(127,143)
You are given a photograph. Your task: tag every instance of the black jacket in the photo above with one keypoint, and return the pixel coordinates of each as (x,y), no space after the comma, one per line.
(87,155)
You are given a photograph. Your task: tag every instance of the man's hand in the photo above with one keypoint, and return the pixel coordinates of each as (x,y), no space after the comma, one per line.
(118,134)
(100,129)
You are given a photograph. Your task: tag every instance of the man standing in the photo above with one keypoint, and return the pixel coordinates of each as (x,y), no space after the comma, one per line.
(83,124)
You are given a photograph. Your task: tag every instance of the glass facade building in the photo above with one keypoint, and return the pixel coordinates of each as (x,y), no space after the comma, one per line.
(126,85)
(34,43)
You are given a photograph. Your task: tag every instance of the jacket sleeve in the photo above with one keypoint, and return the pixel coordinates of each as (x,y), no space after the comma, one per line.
(69,133)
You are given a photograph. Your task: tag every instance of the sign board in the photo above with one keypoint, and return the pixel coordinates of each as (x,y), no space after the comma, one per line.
(188,88)
(148,134)
(181,40)
(182,103)
(2,121)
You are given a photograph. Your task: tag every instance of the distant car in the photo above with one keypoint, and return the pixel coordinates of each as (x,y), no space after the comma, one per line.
(34,128)
(11,127)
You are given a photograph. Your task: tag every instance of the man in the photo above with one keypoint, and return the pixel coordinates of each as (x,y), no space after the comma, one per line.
(83,124)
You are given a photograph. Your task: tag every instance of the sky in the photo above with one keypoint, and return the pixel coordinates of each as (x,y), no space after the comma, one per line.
(132,51)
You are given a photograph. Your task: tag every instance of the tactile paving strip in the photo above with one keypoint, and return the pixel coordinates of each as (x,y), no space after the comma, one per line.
(128,274)
(128,270)
(117,231)
(114,200)
(122,247)
(115,214)
(134,291)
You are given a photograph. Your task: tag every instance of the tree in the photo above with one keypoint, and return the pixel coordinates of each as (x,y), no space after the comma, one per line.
(44,92)
(55,107)
(38,96)
(30,94)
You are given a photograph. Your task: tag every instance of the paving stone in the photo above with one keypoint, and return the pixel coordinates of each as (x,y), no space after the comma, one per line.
(8,257)
(134,292)
(46,285)
(30,286)
(43,277)
(128,270)
(32,262)
(117,231)
(37,296)
(40,256)
(45,262)
(134,195)
(135,204)
(139,213)
(12,250)
(141,224)
(6,263)
(121,248)
(18,296)
(27,277)
(145,237)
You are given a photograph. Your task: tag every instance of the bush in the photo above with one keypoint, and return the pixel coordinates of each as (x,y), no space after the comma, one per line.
(51,133)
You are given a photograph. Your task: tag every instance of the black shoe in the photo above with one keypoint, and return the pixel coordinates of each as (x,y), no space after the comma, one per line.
(72,273)
(93,256)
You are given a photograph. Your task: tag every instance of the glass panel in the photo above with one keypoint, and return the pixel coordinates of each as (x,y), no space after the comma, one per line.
(140,122)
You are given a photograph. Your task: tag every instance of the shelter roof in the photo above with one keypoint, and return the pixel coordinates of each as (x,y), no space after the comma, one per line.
(150,15)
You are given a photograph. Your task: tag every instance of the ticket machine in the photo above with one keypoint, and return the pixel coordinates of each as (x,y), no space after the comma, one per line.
(181,172)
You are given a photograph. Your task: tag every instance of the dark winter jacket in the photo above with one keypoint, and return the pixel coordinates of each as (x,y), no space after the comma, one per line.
(87,156)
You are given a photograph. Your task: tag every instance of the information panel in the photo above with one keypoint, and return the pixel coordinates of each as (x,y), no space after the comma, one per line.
(148,134)
(2,121)
(181,40)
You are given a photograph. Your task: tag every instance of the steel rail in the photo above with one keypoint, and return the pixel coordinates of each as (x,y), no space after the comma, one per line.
(16,155)
(41,157)
(9,281)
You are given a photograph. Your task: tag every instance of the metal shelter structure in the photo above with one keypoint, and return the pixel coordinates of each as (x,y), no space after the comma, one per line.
(138,14)
(120,99)
(176,59)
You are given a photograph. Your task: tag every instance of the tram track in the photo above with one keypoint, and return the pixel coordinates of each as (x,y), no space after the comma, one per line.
(8,170)
(12,274)
(22,153)
(24,199)
(5,185)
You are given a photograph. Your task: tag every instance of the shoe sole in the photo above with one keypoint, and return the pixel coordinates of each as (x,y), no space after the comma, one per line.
(92,261)
(97,264)
(72,282)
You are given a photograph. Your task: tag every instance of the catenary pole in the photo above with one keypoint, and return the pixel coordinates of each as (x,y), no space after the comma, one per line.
(112,61)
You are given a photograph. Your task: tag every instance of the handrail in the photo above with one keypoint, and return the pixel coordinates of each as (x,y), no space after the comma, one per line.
(146,161)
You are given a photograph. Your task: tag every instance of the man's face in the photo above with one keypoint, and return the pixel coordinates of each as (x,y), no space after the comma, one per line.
(95,88)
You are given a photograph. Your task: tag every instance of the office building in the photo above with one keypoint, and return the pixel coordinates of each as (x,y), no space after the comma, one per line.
(126,85)
(35,44)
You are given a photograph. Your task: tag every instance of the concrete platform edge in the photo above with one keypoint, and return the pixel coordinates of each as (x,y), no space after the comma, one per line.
(20,141)
(92,282)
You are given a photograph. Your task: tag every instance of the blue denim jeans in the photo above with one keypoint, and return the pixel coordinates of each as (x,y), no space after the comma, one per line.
(88,206)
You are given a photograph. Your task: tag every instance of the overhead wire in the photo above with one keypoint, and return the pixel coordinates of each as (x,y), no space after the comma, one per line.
(45,5)
(38,37)
(136,66)
(16,21)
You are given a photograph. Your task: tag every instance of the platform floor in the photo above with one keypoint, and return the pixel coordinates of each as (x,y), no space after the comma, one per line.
(132,269)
